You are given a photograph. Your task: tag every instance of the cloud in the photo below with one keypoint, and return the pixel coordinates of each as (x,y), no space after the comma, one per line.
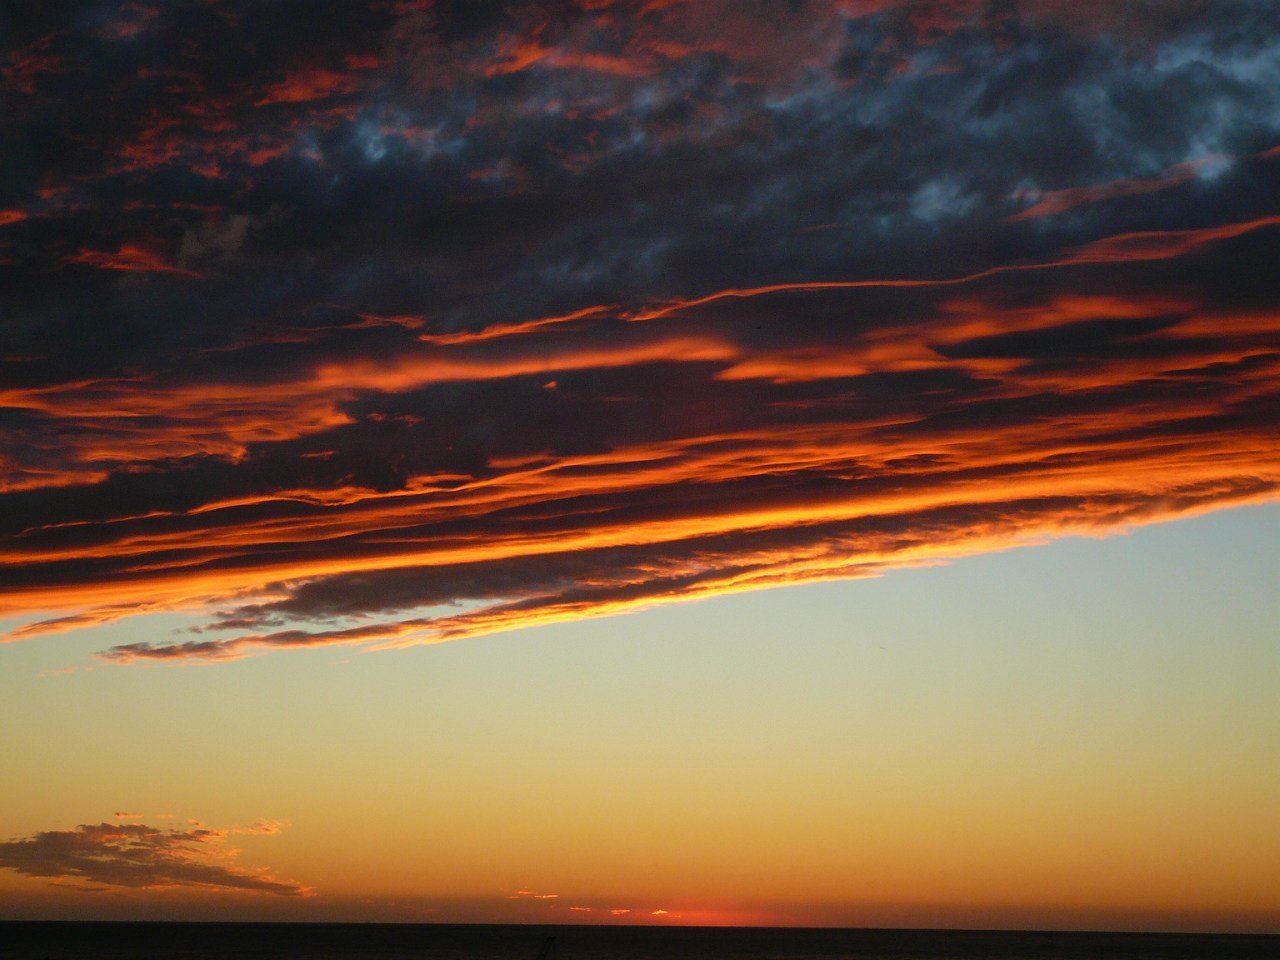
(1163,244)
(131,258)
(1053,202)
(137,856)
(449,318)
(262,827)
(314,83)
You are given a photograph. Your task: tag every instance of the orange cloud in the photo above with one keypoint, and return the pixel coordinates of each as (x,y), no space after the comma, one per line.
(893,423)
(406,373)
(266,828)
(131,258)
(1146,245)
(1054,202)
(515,329)
(1163,244)
(530,52)
(518,57)
(312,83)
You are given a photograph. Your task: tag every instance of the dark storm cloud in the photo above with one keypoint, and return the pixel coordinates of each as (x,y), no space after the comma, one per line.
(136,855)
(436,318)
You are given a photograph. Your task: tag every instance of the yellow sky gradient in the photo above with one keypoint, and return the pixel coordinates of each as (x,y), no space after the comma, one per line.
(1079,735)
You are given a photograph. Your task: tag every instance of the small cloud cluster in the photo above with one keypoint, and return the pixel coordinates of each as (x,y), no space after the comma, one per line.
(94,857)
(599,911)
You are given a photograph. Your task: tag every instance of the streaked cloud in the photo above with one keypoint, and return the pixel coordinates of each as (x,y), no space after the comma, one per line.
(446,319)
(131,258)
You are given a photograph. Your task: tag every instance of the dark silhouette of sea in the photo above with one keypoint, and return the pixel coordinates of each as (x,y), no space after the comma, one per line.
(280,941)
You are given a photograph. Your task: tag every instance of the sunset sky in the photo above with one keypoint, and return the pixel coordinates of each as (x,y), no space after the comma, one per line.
(648,461)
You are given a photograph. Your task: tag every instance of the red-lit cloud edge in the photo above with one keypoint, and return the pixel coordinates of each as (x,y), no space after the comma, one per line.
(995,434)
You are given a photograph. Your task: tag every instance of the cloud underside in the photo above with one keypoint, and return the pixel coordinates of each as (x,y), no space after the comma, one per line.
(96,856)
(444,321)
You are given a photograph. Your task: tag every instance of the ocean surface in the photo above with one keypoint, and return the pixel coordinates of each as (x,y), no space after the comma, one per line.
(269,941)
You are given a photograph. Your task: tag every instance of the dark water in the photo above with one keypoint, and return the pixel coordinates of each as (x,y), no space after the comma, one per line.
(268,941)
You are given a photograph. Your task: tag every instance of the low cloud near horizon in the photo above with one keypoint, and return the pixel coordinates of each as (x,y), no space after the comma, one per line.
(93,857)
(438,319)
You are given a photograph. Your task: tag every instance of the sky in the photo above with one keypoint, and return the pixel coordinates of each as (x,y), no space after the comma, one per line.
(641,461)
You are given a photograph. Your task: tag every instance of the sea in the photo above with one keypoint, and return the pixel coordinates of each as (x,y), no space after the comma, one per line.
(307,941)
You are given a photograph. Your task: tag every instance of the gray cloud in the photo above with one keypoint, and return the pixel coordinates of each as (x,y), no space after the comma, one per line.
(138,856)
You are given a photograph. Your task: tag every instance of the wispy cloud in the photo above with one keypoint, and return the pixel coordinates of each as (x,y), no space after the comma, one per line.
(130,258)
